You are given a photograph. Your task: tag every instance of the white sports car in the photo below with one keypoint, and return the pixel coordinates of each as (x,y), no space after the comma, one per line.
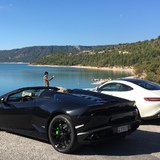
(145,93)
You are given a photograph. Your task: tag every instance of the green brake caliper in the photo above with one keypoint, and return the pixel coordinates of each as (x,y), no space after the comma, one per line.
(58,129)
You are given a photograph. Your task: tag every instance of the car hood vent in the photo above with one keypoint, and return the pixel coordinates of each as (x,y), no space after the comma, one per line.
(95,96)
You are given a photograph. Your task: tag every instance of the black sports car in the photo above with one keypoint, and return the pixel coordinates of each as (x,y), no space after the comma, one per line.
(66,118)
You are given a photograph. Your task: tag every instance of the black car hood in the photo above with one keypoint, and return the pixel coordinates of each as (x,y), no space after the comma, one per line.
(100,98)
(95,96)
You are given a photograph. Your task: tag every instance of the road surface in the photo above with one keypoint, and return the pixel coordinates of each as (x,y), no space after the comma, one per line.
(144,144)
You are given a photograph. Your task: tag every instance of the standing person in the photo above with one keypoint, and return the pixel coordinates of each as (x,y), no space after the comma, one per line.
(46,79)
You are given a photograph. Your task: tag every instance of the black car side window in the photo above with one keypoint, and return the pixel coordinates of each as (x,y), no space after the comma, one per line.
(14,97)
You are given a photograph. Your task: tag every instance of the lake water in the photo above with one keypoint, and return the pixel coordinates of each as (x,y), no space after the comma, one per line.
(13,76)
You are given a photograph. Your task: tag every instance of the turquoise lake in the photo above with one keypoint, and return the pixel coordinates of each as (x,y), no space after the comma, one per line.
(13,76)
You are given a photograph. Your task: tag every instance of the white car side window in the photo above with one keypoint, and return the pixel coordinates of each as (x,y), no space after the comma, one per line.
(124,87)
(115,87)
(110,87)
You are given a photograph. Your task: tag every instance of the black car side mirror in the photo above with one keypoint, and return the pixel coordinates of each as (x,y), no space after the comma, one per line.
(2,99)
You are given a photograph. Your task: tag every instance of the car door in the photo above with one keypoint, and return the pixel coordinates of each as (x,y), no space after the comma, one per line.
(16,114)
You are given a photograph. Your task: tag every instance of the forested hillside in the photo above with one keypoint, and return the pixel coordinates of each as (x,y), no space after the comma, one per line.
(143,56)
(29,54)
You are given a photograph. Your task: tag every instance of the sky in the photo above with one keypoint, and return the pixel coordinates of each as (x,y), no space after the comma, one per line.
(26,23)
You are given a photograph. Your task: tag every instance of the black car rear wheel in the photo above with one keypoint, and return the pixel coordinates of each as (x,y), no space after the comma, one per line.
(62,134)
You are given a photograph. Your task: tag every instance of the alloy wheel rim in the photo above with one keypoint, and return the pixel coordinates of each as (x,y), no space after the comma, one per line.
(61,135)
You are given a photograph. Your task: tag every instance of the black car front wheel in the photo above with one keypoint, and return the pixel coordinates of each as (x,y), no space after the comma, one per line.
(62,134)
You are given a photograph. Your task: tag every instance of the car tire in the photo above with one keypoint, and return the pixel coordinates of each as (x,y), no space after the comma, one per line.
(62,135)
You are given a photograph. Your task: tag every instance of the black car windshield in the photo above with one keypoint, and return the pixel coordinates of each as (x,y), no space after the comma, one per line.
(144,84)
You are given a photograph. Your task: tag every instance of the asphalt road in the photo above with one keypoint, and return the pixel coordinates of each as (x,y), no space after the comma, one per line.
(144,144)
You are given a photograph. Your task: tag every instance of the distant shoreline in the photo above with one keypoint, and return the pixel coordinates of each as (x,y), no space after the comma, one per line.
(123,69)
(118,69)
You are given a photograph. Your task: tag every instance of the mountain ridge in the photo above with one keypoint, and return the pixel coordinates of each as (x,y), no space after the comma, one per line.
(29,54)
